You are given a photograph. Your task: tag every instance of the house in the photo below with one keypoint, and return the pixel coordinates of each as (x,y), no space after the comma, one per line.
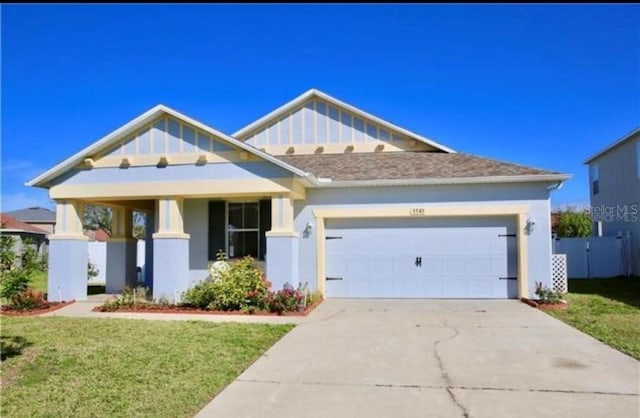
(320,190)
(614,190)
(43,218)
(23,234)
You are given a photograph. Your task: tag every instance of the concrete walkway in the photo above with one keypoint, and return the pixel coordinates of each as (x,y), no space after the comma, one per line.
(428,358)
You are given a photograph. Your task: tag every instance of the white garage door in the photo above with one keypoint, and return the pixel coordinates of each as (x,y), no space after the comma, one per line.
(421,258)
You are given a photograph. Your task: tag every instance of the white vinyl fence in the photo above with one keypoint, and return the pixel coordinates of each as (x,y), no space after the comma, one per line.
(98,257)
(592,257)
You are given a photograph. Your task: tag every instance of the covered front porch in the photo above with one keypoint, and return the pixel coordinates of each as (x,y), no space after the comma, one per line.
(183,235)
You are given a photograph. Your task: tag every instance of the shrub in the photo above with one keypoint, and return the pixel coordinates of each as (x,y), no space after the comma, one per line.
(7,253)
(14,282)
(285,300)
(239,287)
(129,298)
(28,299)
(92,270)
(547,295)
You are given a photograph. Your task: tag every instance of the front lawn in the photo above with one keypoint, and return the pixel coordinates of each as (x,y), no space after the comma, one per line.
(606,309)
(62,367)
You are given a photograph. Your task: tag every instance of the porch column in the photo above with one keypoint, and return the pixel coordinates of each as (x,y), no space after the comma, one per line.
(68,254)
(282,244)
(149,227)
(170,251)
(121,252)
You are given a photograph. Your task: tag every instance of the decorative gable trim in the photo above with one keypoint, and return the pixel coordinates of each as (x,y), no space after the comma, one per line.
(138,123)
(314,96)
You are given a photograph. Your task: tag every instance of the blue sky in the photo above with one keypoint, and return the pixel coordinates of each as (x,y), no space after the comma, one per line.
(541,85)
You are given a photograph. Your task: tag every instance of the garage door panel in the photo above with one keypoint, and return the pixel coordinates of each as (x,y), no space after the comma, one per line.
(460,258)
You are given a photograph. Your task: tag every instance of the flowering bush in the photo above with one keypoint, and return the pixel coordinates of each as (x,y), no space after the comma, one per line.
(285,300)
(28,299)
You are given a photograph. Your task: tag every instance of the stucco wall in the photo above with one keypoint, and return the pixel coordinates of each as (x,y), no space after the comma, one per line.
(534,195)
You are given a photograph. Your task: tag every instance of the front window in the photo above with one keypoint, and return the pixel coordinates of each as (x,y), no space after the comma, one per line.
(243,229)
(595,179)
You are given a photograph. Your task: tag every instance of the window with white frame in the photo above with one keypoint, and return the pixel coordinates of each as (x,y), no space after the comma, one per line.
(243,229)
(595,179)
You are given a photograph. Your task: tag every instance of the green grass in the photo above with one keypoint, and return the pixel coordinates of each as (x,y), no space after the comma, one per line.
(39,282)
(63,367)
(606,309)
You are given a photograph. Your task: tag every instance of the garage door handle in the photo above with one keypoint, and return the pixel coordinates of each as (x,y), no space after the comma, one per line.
(333,278)
(507,278)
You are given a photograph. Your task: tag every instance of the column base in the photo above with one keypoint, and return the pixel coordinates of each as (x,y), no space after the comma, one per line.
(68,261)
(170,267)
(282,259)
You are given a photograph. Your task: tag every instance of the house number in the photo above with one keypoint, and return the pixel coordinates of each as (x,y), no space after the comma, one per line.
(416,211)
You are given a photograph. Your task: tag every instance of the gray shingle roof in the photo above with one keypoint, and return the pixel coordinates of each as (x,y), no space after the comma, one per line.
(404,165)
(34,214)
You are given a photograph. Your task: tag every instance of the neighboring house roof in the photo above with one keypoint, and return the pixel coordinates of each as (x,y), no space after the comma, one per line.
(11,224)
(147,117)
(287,107)
(615,144)
(431,167)
(34,214)
(97,235)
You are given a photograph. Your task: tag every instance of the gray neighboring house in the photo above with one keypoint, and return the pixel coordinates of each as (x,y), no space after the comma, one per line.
(614,189)
(23,234)
(37,216)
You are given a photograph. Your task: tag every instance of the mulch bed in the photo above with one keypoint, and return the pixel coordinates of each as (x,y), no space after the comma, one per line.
(150,308)
(545,306)
(51,306)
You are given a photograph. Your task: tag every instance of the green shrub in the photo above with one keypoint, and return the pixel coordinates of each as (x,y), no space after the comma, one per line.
(547,295)
(240,287)
(28,299)
(129,298)
(14,282)
(7,253)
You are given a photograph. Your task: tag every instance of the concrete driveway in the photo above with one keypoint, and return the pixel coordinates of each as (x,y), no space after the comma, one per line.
(432,358)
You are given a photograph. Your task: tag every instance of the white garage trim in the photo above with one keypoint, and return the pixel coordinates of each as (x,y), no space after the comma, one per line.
(519,211)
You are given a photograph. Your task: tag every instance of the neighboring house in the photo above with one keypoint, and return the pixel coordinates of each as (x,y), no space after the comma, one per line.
(614,189)
(23,233)
(42,218)
(323,192)
(99,235)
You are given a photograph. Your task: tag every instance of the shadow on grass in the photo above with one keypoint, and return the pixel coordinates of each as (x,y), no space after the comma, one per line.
(95,289)
(622,289)
(12,346)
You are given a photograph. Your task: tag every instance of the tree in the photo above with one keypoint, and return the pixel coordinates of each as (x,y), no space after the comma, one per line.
(574,223)
(97,217)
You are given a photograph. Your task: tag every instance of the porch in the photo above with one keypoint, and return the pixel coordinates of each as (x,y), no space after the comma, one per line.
(183,236)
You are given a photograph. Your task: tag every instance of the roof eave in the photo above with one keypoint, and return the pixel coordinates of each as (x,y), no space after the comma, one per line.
(615,144)
(529,178)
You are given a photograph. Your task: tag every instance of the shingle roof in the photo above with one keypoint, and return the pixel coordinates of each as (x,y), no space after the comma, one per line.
(9,222)
(34,214)
(405,165)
